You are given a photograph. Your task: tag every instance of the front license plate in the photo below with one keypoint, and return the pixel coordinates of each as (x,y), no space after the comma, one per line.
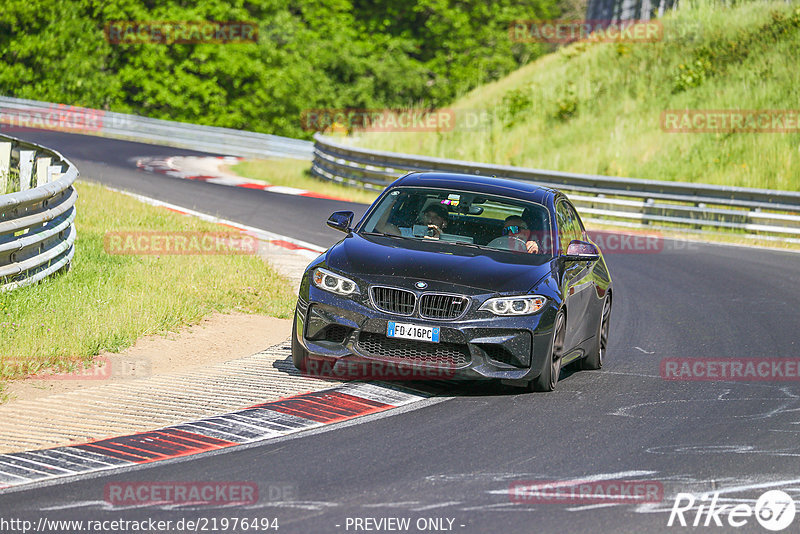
(412,331)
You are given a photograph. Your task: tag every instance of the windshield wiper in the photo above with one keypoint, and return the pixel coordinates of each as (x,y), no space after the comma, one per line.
(422,238)
(468,244)
(383,234)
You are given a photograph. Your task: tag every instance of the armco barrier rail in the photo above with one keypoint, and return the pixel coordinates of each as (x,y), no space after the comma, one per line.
(16,112)
(37,234)
(605,199)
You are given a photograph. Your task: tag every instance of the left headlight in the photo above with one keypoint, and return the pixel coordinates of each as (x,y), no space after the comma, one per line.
(521,305)
(335,283)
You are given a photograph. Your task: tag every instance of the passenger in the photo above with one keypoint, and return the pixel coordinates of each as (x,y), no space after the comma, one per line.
(516,227)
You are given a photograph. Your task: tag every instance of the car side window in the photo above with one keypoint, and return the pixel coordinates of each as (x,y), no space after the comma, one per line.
(562,218)
(569,227)
(577,225)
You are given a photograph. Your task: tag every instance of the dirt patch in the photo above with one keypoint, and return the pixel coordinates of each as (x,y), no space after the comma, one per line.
(217,338)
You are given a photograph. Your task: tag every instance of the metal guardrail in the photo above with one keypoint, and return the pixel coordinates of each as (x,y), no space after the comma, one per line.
(37,234)
(605,199)
(21,112)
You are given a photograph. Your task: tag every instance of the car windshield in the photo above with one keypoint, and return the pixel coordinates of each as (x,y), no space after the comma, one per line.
(463,219)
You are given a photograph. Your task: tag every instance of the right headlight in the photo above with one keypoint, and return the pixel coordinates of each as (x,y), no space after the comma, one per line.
(519,305)
(335,283)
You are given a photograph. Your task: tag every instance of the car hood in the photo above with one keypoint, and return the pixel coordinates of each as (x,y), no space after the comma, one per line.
(379,258)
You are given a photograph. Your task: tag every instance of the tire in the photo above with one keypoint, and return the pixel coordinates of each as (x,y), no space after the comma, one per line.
(548,378)
(594,360)
(299,354)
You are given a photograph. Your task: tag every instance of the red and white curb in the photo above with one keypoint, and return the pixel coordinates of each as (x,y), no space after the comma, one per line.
(207,169)
(255,424)
(303,248)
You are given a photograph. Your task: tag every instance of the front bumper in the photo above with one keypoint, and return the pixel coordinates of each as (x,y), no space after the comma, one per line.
(341,331)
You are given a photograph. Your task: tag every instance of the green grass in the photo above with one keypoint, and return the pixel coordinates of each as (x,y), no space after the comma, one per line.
(107,301)
(596,107)
(295,173)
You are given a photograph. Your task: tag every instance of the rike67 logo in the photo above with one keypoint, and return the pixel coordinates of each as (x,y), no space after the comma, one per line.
(774,510)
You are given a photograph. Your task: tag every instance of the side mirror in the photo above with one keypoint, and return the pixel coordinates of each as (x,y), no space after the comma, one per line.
(341,220)
(581,251)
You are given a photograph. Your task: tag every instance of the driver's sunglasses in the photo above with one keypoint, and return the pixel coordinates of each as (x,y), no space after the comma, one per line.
(513,229)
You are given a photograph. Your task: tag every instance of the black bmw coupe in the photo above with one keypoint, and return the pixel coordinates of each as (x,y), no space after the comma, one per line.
(457,276)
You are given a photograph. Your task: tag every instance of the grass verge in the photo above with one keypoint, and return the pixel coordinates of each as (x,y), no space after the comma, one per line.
(295,173)
(107,301)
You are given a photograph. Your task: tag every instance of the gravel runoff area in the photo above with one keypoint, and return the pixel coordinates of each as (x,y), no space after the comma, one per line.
(224,363)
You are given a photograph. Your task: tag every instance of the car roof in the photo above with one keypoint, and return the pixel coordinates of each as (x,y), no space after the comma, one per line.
(478,184)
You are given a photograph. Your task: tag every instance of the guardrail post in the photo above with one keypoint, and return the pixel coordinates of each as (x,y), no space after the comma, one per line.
(42,164)
(53,173)
(5,166)
(648,203)
(26,168)
(700,205)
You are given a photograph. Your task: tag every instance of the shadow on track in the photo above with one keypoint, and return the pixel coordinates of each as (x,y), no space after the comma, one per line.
(435,388)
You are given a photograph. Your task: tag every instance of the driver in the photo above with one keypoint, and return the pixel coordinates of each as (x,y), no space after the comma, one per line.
(435,217)
(516,227)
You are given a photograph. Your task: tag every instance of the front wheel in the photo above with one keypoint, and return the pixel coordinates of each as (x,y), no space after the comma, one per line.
(594,360)
(299,354)
(548,378)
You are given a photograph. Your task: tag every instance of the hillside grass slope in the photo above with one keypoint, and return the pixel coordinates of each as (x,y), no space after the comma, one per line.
(596,107)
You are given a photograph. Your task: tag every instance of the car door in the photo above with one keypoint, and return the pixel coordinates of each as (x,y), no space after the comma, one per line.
(593,303)
(577,280)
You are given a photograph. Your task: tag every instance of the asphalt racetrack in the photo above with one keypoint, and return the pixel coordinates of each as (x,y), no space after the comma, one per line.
(451,463)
